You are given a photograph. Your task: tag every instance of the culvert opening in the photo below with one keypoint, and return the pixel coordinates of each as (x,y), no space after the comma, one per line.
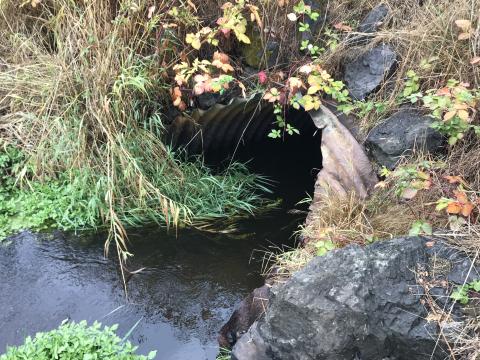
(239,132)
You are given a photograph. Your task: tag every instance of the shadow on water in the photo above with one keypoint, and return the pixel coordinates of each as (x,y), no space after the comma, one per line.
(190,285)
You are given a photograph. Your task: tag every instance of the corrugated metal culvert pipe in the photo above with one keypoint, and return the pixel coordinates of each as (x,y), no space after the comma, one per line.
(239,130)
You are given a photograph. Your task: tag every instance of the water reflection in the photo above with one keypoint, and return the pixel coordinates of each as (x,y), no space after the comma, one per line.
(188,289)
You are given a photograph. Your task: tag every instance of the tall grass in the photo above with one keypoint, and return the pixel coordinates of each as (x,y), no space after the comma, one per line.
(81,90)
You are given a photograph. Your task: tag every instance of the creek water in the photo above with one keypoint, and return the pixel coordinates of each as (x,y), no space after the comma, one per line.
(190,285)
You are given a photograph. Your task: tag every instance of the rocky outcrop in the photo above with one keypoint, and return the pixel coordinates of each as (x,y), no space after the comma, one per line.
(374,19)
(354,303)
(366,73)
(399,135)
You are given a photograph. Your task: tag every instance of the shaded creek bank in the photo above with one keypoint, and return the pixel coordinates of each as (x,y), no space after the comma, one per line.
(189,287)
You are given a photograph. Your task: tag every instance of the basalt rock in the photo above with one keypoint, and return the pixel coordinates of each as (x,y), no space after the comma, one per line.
(353,303)
(374,19)
(249,310)
(366,73)
(399,135)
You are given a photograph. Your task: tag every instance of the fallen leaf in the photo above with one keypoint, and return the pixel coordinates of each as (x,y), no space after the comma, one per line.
(443,91)
(464,25)
(475,60)
(464,36)
(342,27)
(430,244)
(454,208)
(455,180)
(449,115)
(461,196)
(222,57)
(467,209)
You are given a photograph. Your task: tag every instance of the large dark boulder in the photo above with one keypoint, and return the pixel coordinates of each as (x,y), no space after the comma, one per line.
(353,303)
(399,135)
(366,73)
(374,19)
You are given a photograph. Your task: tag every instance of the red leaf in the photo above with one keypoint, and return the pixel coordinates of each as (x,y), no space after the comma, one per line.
(262,77)
(443,91)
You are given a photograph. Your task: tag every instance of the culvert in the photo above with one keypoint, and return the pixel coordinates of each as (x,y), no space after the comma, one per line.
(325,156)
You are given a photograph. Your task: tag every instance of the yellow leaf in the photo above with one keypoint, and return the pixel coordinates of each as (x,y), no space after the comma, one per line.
(313,89)
(243,38)
(314,80)
(449,115)
(194,40)
(463,114)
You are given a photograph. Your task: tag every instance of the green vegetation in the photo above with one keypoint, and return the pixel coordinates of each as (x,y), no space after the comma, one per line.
(73,341)
(82,115)
(461,292)
(69,203)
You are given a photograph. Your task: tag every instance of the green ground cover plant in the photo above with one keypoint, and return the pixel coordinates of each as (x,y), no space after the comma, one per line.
(76,341)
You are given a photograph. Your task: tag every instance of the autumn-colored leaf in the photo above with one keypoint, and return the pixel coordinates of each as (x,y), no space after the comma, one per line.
(461,196)
(449,115)
(455,179)
(443,91)
(342,27)
(454,207)
(463,114)
(222,57)
(467,209)
(194,40)
(475,60)
(464,36)
(295,83)
(272,95)
(262,77)
(464,25)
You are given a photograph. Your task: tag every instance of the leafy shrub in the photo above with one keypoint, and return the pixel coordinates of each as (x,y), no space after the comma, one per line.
(73,341)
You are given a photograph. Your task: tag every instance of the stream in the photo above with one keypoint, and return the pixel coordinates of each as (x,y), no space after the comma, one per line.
(190,285)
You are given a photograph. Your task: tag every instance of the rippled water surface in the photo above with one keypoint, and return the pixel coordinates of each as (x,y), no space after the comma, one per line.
(188,289)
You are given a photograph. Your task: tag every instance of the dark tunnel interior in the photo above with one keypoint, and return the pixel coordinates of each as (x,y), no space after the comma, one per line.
(291,162)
